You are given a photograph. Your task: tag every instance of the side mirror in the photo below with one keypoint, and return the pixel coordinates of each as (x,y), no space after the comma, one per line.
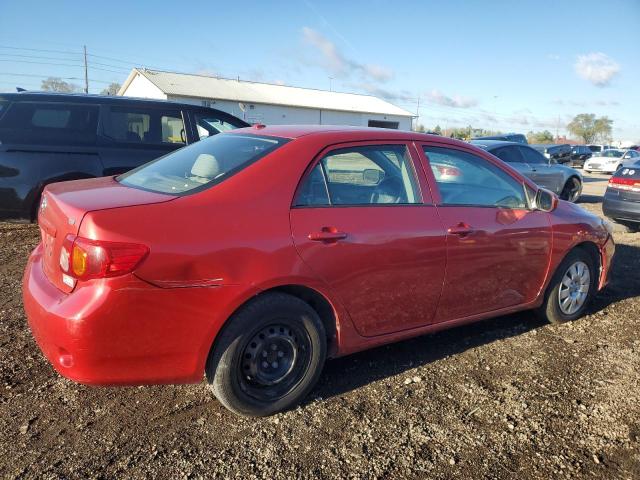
(545,200)
(371,176)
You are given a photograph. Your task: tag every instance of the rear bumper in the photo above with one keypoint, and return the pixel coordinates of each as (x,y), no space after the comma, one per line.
(621,209)
(123,330)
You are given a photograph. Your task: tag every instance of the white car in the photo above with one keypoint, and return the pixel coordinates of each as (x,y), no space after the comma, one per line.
(611,160)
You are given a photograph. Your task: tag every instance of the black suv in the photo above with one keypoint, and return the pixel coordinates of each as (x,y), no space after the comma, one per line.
(580,154)
(49,137)
(556,153)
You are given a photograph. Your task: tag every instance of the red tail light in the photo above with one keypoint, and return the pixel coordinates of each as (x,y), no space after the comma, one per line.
(83,259)
(629,184)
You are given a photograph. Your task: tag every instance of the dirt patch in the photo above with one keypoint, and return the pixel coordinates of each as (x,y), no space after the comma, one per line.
(504,398)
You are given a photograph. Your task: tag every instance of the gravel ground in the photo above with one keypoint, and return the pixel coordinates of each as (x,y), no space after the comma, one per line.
(503,398)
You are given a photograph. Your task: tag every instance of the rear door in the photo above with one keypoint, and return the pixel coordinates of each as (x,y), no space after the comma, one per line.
(545,174)
(363,220)
(498,250)
(133,135)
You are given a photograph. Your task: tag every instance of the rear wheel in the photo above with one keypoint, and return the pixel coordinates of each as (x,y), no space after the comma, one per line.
(571,288)
(268,357)
(571,190)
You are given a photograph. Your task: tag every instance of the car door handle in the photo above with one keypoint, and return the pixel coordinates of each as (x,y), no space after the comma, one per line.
(327,235)
(462,229)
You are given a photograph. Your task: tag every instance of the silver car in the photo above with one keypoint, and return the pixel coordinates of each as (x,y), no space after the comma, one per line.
(563,180)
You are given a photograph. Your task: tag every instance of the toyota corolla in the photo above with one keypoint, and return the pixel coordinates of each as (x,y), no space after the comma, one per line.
(253,256)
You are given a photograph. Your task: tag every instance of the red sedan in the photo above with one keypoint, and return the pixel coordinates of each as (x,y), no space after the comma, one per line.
(256,254)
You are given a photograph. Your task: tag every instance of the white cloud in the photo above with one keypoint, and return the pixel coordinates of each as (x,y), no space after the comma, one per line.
(597,68)
(553,56)
(338,64)
(457,101)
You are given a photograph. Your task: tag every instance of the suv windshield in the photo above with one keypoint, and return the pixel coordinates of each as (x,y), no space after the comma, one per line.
(200,165)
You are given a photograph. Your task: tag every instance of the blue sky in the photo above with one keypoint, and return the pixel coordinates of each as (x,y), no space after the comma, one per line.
(509,65)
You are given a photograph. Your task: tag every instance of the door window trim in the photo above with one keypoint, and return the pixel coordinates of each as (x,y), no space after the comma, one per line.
(423,189)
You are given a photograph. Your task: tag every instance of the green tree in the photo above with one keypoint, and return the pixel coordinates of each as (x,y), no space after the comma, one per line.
(112,89)
(56,84)
(437,130)
(589,128)
(540,137)
(420,128)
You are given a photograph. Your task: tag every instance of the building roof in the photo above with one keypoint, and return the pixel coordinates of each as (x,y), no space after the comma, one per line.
(203,86)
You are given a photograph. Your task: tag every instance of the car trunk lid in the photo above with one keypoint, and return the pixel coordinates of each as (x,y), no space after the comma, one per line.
(626,182)
(64,205)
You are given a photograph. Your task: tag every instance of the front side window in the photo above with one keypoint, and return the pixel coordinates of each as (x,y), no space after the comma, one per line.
(200,165)
(466,179)
(208,125)
(376,174)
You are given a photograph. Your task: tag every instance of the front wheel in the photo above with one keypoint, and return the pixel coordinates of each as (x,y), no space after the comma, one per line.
(571,190)
(268,356)
(571,288)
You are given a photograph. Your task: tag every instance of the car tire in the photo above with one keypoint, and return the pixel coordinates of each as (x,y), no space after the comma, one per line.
(568,283)
(268,356)
(571,190)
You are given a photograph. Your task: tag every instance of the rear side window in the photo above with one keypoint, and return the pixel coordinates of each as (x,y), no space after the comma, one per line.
(49,123)
(533,157)
(376,174)
(466,179)
(201,165)
(509,154)
(144,126)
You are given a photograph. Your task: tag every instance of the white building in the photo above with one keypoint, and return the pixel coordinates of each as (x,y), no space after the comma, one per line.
(267,103)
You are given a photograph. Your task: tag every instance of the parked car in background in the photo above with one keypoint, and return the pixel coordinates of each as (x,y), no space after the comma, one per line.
(580,154)
(611,160)
(622,198)
(565,181)
(558,153)
(312,242)
(47,138)
(595,149)
(507,137)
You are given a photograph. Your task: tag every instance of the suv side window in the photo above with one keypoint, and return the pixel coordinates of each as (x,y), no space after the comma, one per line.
(49,123)
(376,174)
(466,179)
(509,154)
(532,156)
(144,126)
(208,124)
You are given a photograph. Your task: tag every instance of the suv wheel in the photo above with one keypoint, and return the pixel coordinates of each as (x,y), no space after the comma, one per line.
(571,190)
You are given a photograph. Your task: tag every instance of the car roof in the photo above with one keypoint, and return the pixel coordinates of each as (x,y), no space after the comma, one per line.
(90,98)
(491,144)
(345,132)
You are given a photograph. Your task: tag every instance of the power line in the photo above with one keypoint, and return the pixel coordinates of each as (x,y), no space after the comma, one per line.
(47,76)
(40,50)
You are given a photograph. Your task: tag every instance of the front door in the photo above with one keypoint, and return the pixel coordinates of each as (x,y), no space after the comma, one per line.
(498,250)
(363,221)
(544,172)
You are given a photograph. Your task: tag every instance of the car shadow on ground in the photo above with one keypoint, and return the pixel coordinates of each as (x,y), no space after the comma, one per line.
(589,199)
(349,373)
(354,371)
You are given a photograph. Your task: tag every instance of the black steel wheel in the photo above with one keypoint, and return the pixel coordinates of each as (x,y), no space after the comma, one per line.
(268,356)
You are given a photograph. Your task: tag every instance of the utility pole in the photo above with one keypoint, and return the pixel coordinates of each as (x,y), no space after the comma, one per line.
(86,72)
(330,84)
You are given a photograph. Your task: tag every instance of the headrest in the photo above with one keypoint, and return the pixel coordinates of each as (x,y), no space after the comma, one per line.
(206,165)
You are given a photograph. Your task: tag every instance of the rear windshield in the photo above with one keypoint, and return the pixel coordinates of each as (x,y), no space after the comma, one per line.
(200,165)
